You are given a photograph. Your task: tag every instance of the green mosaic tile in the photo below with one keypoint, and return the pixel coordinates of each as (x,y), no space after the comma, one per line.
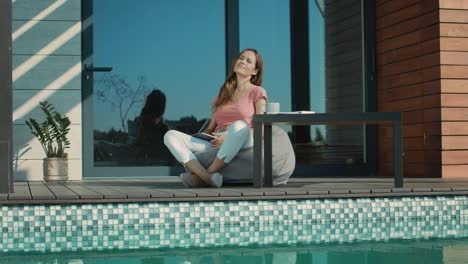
(159,225)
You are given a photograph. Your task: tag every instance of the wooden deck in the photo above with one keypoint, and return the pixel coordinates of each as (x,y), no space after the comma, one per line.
(171,189)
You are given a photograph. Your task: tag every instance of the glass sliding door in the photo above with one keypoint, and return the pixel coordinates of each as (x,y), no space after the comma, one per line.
(314,53)
(168,54)
(264,25)
(337,85)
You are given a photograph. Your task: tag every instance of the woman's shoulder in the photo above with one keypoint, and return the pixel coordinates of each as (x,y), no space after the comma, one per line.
(258,89)
(258,93)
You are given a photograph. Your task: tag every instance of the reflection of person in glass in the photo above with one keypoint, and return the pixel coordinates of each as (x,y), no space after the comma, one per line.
(239,98)
(150,128)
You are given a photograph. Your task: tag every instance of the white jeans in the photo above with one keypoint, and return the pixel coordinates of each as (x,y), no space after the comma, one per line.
(183,146)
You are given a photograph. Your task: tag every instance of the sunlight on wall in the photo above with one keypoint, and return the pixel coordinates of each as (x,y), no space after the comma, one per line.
(44,93)
(31,23)
(28,161)
(71,73)
(50,48)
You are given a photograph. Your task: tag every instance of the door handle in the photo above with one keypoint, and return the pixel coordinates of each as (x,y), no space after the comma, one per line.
(90,68)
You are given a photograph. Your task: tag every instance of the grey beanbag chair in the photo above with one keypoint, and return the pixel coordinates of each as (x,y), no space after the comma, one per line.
(240,169)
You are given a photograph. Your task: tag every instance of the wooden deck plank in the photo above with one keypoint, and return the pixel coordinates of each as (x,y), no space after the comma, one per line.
(234,192)
(339,191)
(180,193)
(147,190)
(401,190)
(204,192)
(39,191)
(441,189)
(62,192)
(253,192)
(21,192)
(132,192)
(159,192)
(107,192)
(317,192)
(421,189)
(84,192)
(459,188)
(273,192)
(292,191)
(227,192)
(217,192)
(360,191)
(381,190)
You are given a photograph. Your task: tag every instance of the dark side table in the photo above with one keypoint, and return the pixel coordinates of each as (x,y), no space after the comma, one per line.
(265,121)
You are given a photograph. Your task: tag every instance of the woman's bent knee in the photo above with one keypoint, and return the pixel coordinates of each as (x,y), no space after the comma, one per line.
(170,136)
(239,125)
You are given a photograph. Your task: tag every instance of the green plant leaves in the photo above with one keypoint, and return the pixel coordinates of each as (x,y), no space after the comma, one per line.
(51,133)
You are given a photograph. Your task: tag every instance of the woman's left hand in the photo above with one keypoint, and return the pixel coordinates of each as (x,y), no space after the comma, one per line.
(218,141)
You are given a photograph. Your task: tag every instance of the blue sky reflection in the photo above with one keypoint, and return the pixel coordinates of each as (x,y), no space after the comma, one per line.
(179,46)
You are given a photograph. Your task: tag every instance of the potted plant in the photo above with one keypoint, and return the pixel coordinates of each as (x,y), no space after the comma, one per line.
(52,134)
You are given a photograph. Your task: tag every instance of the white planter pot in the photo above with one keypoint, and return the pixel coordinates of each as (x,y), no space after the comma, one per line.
(55,169)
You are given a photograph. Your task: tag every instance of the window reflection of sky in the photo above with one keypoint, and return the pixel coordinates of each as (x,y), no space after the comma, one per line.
(179,47)
(264,25)
(317,58)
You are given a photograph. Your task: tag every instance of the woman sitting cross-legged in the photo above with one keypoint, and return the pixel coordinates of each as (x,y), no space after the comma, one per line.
(239,98)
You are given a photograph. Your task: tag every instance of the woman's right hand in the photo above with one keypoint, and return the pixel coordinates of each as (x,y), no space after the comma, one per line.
(218,141)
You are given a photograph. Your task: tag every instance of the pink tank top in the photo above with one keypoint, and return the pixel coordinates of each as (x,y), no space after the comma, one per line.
(243,109)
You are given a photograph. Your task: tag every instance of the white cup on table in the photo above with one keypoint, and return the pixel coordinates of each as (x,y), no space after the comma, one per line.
(272,108)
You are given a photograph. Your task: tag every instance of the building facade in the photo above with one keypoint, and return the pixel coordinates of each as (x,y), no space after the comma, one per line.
(89,58)
(421,63)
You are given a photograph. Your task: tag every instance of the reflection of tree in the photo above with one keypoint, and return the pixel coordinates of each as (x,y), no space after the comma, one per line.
(119,148)
(116,91)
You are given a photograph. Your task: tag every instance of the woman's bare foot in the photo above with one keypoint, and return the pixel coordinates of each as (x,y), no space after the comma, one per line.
(191,180)
(213,179)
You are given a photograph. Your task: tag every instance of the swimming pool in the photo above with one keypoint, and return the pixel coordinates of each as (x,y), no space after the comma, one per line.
(181,226)
(438,251)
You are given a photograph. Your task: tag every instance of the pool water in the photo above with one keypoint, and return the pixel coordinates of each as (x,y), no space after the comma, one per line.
(431,251)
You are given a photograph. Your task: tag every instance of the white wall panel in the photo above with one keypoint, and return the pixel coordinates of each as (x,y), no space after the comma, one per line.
(26,104)
(42,28)
(56,37)
(31,170)
(50,69)
(46,9)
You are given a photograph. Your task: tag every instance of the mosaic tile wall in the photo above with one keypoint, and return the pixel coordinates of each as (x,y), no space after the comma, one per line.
(205,224)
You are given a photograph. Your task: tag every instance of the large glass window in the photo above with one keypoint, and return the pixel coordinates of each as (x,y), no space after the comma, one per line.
(176,47)
(336,81)
(264,25)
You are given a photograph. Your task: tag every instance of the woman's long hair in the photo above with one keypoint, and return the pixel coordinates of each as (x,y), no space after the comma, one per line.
(155,105)
(229,86)
(152,111)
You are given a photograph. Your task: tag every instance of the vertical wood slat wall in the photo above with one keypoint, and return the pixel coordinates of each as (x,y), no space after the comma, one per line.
(408,68)
(454,87)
